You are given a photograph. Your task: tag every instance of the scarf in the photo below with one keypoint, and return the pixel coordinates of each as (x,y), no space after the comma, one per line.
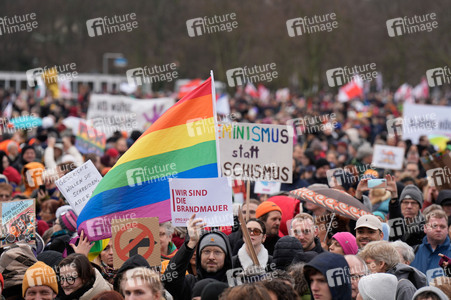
(246,260)
(109,273)
(172,250)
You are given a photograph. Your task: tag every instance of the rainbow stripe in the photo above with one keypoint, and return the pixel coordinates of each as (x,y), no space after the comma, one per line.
(181,143)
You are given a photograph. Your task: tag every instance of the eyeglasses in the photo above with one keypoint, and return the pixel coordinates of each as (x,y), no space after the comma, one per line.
(70,280)
(5,196)
(407,203)
(254,231)
(216,253)
(356,277)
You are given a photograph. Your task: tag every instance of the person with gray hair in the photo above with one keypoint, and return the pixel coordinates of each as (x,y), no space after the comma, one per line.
(382,257)
(357,269)
(168,248)
(405,252)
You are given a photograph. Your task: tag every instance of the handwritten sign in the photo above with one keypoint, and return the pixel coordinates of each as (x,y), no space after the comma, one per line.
(78,185)
(209,198)
(18,219)
(256,151)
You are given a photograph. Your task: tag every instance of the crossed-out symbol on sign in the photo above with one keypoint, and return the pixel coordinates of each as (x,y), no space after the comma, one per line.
(132,247)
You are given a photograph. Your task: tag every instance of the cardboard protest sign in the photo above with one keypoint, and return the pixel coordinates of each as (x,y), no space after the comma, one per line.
(18,218)
(77,186)
(267,187)
(256,151)
(388,157)
(136,236)
(209,198)
(110,113)
(438,169)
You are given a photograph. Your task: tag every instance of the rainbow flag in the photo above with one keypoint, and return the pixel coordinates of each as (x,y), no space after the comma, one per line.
(181,143)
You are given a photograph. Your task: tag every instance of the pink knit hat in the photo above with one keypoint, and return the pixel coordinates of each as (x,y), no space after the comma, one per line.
(347,242)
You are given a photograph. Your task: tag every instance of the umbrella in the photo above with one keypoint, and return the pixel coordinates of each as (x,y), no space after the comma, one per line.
(24,122)
(333,200)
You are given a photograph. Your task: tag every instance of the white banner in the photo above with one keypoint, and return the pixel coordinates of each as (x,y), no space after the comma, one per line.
(426,120)
(110,113)
(208,198)
(77,186)
(256,151)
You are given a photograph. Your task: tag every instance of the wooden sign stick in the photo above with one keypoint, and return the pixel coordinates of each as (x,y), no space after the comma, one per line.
(247,238)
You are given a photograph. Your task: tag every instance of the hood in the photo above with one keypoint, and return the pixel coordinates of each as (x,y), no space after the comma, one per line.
(221,274)
(339,280)
(432,289)
(402,271)
(133,262)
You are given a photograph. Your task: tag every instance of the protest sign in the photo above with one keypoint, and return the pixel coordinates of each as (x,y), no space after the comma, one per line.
(256,151)
(209,198)
(18,218)
(429,120)
(136,236)
(77,186)
(267,187)
(110,113)
(388,157)
(87,138)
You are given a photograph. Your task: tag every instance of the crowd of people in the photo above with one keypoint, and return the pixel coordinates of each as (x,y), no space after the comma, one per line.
(304,251)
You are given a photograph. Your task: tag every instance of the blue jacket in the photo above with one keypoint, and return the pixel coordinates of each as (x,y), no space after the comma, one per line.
(426,259)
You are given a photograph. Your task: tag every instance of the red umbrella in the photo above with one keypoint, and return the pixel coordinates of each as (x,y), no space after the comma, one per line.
(336,201)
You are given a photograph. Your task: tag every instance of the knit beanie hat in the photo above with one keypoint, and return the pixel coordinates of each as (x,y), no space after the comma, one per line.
(51,258)
(347,242)
(412,192)
(213,290)
(378,286)
(200,285)
(265,208)
(213,239)
(68,220)
(39,274)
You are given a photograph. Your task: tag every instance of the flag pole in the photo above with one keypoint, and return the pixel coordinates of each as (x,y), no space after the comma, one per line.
(215,118)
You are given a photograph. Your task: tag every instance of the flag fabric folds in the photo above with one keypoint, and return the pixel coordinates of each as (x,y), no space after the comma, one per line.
(181,143)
